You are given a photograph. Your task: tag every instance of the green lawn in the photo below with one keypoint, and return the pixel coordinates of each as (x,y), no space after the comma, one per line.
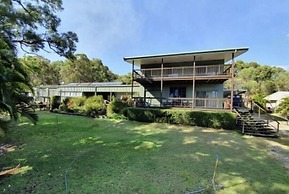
(117,156)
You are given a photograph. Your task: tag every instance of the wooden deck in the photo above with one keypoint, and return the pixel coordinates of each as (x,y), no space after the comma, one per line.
(203,103)
(221,72)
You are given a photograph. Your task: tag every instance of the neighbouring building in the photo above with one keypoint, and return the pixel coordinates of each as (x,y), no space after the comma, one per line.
(273,100)
(106,89)
(186,79)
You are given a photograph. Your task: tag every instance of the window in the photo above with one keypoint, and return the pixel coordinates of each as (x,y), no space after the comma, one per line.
(206,98)
(178,92)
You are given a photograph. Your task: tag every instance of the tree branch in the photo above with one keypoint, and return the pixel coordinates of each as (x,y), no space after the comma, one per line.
(20,3)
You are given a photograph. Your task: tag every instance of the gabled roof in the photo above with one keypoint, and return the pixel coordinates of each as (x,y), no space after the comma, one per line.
(217,54)
(277,96)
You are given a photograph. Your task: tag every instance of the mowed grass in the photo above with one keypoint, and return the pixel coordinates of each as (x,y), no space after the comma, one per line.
(118,156)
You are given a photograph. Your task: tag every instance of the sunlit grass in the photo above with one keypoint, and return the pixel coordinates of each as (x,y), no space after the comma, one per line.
(117,156)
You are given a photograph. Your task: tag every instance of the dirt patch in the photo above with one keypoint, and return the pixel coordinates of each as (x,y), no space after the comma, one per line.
(278,154)
(279,148)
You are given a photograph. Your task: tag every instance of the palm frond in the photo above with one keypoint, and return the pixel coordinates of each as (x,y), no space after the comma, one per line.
(4,124)
(29,113)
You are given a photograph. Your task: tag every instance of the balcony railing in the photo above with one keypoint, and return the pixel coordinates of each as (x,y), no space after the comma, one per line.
(186,71)
(206,103)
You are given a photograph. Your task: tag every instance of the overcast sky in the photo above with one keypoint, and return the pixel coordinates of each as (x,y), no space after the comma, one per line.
(113,29)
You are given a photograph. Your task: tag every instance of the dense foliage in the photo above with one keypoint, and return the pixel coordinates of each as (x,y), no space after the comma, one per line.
(82,69)
(213,119)
(14,82)
(117,106)
(32,26)
(260,79)
(92,106)
(283,108)
(41,71)
(54,102)
(126,79)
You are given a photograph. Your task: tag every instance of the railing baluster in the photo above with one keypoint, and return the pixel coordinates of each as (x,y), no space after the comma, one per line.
(184,71)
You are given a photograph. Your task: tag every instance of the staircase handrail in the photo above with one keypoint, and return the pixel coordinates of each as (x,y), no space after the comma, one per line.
(243,120)
(267,114)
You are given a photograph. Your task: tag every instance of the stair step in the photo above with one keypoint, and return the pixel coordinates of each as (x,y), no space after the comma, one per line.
(259,131)
(262,134)
(254,126)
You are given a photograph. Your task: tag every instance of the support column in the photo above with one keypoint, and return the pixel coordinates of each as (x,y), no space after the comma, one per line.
(194,80)
(110,96)
(161,95)
(132,78)
(144,96)
(232,80)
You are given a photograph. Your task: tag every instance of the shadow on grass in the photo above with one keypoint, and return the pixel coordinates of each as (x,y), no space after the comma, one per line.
(117,156)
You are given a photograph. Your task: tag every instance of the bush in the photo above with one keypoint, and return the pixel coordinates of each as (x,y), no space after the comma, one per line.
(260,99)
(66,101)
(283,108)
(63,107)
(116,107)
(54,102)
(94,106)
(76,104)
(213,119)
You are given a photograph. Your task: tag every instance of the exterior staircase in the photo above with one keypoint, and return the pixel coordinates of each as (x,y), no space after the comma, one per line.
(251,124)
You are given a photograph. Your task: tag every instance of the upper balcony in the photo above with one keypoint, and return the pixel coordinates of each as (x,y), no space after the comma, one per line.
(220,71)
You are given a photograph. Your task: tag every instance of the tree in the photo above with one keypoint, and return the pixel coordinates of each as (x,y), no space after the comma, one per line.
(82,69)
(32,25)
(41,71)
(258,79)
(126,79)
(14,82)
(281,81)
(283,107)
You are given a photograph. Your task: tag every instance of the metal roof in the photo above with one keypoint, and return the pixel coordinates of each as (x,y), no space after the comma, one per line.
(92,84)
(216,54)
(277,96)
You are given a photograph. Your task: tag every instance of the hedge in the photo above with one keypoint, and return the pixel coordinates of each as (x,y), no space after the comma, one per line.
(212,119)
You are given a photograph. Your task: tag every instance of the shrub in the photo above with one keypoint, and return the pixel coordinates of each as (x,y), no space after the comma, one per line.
(116,107)
(260,99)
(54,102)
(213,119)
(76,104)
(66,101)
(283,108)
(94,106)
(63,107)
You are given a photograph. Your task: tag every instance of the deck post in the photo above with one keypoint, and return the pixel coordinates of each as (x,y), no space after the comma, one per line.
(232,81)
(161,95)
(194,84)
(132,78)
(144,96)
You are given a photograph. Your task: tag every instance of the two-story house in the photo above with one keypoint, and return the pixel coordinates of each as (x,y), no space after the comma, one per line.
(186,79)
